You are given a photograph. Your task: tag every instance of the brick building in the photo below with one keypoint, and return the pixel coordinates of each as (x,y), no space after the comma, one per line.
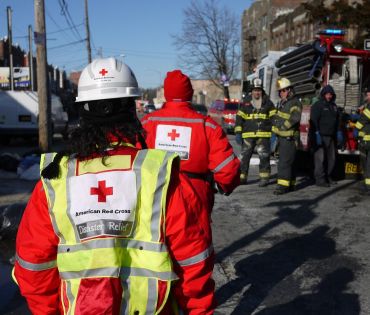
(256,29)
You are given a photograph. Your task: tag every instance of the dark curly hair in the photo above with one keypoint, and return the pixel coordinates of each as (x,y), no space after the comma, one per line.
(99,122)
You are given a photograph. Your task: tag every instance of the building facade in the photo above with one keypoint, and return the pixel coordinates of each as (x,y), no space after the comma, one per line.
(256,29)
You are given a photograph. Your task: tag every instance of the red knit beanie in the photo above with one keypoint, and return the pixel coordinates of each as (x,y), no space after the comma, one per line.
(177,87)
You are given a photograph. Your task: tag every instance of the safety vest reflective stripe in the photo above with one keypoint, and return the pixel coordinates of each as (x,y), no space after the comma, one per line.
(118,272)
(220,166)
(143,256)
(367,181)
(238,129)
(283,182)
(113,242)
(272,112)
(177,119)
(208,124)
(197,258)
(258,134)
(36,267)
(359,125)
(283,115)
(366,112)
(72,287)
(50,196)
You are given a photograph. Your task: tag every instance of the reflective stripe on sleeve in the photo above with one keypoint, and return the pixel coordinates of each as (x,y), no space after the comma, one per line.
(35,267)
(367,181)
(366,112)
(295,108)
(224,163)
(359,125)
(197,258)
(272,112)
(208,124)
(238,129)
(178,119)
(283,115)
(366,138)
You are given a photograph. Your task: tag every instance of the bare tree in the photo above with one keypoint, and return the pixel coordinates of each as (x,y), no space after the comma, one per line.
(209,42)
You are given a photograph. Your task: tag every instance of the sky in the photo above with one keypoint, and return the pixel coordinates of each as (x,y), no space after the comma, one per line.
(137,31)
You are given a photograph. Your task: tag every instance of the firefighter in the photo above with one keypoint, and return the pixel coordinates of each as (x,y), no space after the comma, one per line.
(363,125)
(325,124)
(253,131)
(286,126)
(111,229)
(205,152)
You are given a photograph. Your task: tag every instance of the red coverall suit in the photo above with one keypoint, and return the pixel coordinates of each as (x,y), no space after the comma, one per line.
(200,142)
(186,236)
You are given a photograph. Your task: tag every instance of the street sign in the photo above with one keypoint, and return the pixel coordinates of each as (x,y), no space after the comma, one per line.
(367,44)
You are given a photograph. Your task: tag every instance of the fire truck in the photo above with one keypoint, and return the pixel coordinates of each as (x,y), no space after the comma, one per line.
(313,65)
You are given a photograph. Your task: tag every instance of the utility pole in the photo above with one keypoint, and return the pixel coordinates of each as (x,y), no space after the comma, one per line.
(88,46)
(10,43)
(42,77)
(30,57)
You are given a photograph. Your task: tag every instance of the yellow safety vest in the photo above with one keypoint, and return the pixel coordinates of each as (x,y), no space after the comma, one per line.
(141,258)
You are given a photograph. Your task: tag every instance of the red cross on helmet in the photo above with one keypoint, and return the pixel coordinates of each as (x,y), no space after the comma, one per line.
(106,78)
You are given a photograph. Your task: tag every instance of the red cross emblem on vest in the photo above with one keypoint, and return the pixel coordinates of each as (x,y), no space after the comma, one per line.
(103,72)
(173,135)
(102,191)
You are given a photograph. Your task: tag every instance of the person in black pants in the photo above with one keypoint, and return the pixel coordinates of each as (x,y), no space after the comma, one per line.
(325,126)
(363,130)
(286,126)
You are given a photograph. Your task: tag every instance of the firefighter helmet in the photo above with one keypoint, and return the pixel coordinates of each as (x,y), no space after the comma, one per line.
(106,78)
(283,83)
(256,84)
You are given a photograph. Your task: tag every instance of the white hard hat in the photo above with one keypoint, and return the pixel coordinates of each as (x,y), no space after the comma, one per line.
(257,84)
(106,78)
(283,83)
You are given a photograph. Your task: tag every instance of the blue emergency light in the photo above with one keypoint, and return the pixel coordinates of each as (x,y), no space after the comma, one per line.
(333,32)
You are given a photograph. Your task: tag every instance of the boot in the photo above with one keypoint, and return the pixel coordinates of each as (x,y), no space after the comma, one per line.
(263,182)
(243,178)
(281,190)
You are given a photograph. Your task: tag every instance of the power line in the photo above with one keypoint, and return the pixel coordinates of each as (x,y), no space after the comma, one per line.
(57,25)
(64,29)
(68,44)
(68,18)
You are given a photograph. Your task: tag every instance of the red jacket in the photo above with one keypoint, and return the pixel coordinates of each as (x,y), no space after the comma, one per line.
(187,234)
(200,142)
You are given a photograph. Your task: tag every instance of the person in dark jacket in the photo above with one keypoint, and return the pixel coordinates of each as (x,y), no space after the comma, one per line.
(325,123)
(286,126)
(253,131)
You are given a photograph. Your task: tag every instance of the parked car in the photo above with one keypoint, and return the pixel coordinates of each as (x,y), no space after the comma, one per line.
(224,113)
(149,108)
(200,108)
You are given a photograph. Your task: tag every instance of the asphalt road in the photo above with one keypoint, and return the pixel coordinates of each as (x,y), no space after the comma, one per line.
(302,253)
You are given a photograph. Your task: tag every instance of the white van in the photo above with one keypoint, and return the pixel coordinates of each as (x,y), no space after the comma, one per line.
(19,111)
